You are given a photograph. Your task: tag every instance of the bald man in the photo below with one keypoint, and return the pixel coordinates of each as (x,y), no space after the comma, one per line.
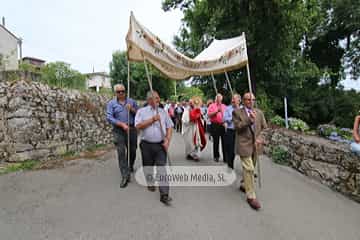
(216,112)
(249,123)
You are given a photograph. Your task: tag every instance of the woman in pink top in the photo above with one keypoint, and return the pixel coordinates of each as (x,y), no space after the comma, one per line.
(216,113)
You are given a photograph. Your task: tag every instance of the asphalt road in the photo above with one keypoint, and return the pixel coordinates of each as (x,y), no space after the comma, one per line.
(84,201)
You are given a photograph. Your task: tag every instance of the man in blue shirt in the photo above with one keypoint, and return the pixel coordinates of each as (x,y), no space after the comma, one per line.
(229,138)
(117,113)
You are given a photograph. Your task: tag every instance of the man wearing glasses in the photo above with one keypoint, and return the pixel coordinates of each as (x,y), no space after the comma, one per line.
(248,123)
(120,112)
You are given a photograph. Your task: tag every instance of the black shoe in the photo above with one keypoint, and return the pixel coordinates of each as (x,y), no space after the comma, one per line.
(242,188)
(216,159)
(189,157)
(151,188)
(131,169)
(165,199)
(124,182)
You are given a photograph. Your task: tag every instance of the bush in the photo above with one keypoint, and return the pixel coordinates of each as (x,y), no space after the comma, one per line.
(298,124)
(277,120)
(60,74)
(280,155)
(265,104)
(327,130)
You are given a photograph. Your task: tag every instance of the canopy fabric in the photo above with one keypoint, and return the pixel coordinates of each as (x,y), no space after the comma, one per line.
(221,56)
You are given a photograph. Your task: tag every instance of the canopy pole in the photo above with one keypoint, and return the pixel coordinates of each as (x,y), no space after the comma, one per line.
(248,76)
(251,92)
(229,83)
(150,74)
(157,107)
(214,83)
(128,122)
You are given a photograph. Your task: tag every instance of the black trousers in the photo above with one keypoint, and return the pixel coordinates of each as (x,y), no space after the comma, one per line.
(218,132)
(121,143)
(153,154)
(229,139)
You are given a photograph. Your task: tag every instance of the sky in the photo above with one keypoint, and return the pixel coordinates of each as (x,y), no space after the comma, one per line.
(85,33)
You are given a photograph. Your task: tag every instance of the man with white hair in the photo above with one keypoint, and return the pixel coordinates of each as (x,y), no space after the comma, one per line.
(249,123)
(156,130)
(120,112)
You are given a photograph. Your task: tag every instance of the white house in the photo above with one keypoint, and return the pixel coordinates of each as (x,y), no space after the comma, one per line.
(8,48)
(98,80)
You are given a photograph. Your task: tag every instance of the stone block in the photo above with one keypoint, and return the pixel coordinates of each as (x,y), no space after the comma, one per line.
(39,154)
(20,113)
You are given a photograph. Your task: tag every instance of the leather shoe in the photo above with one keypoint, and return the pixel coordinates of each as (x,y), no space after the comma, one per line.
(216,159)
(254,204)
(151,188)
(165,199)
(242,188)
(124,182)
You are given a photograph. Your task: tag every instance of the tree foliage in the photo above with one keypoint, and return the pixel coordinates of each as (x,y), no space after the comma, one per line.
(301,49)
(61,74)
(189,92)
(138,78)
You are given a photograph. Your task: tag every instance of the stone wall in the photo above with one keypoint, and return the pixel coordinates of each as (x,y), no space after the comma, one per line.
(38,122)
(329,162)
(12,75)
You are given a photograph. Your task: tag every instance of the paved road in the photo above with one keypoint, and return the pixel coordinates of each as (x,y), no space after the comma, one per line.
(84,201)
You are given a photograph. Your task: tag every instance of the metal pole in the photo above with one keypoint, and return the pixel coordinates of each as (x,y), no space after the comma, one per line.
(286,113)
(128,122)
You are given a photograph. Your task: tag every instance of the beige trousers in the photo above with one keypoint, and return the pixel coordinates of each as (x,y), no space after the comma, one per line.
(248,169)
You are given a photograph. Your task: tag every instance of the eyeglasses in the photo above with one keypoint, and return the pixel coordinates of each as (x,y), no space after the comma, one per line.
(120,91)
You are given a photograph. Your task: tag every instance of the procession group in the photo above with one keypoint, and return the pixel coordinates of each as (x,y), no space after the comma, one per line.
(238,126)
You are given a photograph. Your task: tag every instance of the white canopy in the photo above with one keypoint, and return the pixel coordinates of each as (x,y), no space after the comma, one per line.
(219,57)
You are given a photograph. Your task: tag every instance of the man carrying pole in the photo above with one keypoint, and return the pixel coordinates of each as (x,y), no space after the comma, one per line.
(249,123)
(120,112)
(156,130)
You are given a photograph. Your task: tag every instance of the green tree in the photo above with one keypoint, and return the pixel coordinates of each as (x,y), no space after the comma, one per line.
(189,92)
(299,49)
(138,79)
(60,74)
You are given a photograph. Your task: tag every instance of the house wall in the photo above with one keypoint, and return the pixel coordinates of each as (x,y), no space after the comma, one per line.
(98,81)
(8,49)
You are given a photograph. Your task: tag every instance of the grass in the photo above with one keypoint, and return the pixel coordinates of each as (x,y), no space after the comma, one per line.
(92,151)
(95,147)
(15,167)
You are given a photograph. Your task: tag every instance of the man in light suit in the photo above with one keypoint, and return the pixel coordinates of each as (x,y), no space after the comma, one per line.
(248,123)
